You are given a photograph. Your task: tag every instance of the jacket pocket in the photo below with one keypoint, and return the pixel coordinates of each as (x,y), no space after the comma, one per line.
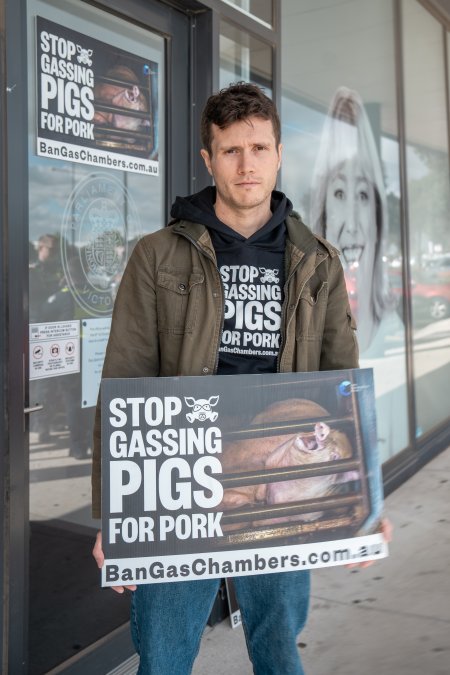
(351,320)
(312,308)
(177,298)
(313,296)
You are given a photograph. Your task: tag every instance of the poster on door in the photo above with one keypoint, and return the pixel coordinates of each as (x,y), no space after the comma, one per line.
(211,477)
(54,349)
(96,104)
(95,339)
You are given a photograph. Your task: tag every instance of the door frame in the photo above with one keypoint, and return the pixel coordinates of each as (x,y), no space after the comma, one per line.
(14,311)
(179,104)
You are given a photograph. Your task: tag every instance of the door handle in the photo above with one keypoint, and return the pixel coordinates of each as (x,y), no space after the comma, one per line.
(33,408)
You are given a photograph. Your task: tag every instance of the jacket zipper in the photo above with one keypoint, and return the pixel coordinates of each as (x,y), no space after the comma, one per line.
(222,320)
(283,309)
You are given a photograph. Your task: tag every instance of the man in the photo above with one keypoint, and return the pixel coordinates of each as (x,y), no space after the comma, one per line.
(176,314)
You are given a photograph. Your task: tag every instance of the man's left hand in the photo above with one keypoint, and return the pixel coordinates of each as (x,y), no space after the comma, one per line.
(386,529)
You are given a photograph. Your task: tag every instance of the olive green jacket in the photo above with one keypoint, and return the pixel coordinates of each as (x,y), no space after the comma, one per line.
(168,314)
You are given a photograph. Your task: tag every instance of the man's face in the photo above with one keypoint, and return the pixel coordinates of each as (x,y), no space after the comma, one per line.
(351,223)
(244,163)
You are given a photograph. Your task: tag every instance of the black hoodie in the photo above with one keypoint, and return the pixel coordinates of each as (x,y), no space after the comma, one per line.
(252,272)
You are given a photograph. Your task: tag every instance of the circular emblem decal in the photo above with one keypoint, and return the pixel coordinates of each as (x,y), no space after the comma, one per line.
(345,388)
(100,214)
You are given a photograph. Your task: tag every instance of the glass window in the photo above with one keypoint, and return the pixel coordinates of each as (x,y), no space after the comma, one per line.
(243,57)
(341,170)
(96,185)
(429,207)
(85,216)
(258,9)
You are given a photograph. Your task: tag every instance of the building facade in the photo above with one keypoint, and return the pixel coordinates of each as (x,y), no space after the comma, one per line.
(99,120)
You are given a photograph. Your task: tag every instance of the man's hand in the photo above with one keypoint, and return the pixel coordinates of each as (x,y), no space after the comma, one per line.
(386,529)
(97,552)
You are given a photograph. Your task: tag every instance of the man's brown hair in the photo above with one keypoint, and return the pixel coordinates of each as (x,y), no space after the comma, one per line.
(235,103)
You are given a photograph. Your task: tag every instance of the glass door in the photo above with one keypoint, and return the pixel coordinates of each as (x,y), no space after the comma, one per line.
(97,183)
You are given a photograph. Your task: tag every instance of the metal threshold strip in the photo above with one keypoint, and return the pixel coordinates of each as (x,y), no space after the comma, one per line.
(128,667)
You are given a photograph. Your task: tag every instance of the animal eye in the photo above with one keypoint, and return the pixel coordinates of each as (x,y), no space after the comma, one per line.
(364,196)
(339,193)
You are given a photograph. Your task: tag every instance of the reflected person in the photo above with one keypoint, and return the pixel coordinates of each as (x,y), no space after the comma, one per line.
(45,273)
(61,306)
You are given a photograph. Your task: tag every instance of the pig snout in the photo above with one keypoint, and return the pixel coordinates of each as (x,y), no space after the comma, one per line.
(321,432)
(304,442)
(132,94)
(128,98)
(308,442)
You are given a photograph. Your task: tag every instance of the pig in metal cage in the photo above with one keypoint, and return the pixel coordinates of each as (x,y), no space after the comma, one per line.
(308,482)
(123,118)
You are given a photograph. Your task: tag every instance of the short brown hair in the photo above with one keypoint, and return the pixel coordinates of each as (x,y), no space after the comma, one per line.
(237,102)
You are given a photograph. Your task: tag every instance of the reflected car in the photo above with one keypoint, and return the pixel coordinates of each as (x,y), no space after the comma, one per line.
(438,268)
(430,296)
(431,300)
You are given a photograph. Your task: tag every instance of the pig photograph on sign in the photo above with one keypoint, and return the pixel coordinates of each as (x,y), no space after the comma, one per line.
(96,104)
(242,474)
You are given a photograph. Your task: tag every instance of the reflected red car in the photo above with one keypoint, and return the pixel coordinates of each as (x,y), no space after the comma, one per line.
(431,300)
(430,295)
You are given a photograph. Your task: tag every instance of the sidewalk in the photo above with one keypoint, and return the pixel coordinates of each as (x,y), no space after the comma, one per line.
(390,619)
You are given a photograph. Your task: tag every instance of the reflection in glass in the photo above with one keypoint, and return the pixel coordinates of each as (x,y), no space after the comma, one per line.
(429,207)
(74,274)
(243,57)
(84,220)
(341,170)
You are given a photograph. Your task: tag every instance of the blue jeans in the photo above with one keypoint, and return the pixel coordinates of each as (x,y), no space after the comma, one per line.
(168,619)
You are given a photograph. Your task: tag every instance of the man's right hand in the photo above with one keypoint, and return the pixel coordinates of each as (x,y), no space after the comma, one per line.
(97,552)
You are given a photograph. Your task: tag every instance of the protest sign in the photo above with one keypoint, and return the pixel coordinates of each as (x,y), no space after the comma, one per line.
(209,477)
(96,104)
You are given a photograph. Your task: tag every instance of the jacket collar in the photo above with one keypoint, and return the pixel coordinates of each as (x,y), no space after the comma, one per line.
(197,233)
(300,238)
(304,240)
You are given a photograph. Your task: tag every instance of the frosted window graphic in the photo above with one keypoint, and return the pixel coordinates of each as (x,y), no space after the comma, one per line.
(348,207)
(341,170)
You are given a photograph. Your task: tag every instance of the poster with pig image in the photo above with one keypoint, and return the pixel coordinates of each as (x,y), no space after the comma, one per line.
(207,477)
(96,104)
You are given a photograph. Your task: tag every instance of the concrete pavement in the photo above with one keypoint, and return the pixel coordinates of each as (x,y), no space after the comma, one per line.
(390,619)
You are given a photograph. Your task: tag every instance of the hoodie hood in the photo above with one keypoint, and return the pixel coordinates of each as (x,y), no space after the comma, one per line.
(199,208)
